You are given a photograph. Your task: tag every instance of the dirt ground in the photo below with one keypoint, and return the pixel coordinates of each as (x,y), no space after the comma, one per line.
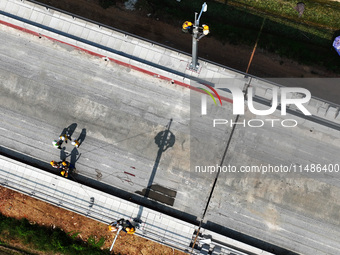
(137,22)
(17,205)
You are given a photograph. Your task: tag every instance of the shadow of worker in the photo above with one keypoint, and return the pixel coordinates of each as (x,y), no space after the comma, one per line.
(81,138)
(75,155)
(71,128)
(63,154)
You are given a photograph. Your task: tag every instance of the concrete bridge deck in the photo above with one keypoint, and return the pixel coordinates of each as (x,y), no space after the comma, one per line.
(137,108)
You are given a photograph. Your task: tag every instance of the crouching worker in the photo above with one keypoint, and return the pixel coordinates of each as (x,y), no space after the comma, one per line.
(55,164)
(113,227)
(65,167)
(130,230)
(125,225)
(128,227)
(64,173)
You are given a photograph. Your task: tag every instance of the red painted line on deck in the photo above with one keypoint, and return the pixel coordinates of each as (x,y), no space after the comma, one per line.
(113,60)
(19,28)
(129,173)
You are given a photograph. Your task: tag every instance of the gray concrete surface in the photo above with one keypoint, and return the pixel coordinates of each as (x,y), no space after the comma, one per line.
(100,101)
(298,209)
(283,208)
(46,86)
(94,204)
(106,208)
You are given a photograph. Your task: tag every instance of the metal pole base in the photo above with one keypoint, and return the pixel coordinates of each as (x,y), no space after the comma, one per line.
(192,67)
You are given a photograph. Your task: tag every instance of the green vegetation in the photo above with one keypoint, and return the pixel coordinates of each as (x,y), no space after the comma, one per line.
(47,239)
(322,13)
(307,39)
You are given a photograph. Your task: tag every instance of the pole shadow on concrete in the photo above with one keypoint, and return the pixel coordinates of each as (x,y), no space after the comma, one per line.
(164,140)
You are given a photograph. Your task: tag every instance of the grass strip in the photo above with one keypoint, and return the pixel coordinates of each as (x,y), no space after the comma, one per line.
(46,239)
(307,40)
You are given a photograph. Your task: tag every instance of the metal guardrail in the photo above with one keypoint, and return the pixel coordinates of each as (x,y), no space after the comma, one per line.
(167,47)
(54,192)
(136,36)
(314,118)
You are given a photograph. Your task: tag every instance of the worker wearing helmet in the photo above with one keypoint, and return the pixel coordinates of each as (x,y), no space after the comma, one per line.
(65,167)
(187,27)
(112,228)
(57,144)
(54,164)
(205,29)
(76,143)
(130,230)
(65,164)
(64,173)
(128,227)
(65,137)
(123,224)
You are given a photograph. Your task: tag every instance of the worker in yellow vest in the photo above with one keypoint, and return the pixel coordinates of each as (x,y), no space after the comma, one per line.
(76,143)
(130,230)
(187,27)
(205,29)
(64,137)
(126,226)
(55,164)
(64,173)
(65,167)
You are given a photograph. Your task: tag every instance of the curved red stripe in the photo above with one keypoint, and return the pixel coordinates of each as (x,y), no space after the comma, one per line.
(214,92)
